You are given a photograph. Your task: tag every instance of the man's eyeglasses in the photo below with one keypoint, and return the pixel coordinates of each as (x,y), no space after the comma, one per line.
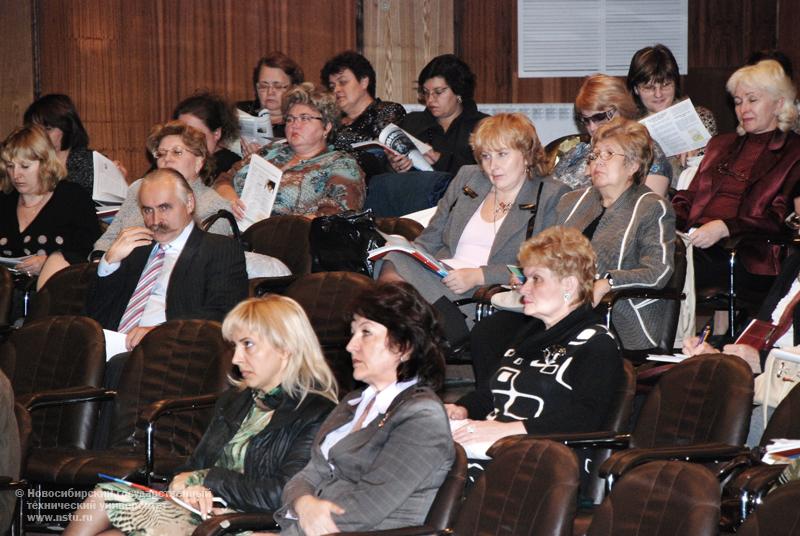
(599,117)
(176,151)
(436,92)
(651,88)
(605,156)
(302,118)
(274,86)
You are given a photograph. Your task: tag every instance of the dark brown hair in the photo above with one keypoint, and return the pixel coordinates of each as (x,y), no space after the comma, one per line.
(412,327)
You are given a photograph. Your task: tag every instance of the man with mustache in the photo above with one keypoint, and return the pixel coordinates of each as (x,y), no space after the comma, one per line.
(167,270)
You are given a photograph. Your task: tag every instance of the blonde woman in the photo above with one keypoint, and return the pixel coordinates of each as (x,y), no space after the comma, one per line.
(259,437)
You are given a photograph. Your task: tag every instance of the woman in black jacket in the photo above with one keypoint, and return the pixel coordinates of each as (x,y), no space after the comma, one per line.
(259,437)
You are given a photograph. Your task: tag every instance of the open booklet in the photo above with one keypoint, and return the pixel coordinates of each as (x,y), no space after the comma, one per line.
(402,245)
(255,129)
(110,187)
(260,190)
(678,129)
(397,140)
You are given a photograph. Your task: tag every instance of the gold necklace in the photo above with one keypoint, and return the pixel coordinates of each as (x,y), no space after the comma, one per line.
(500,209)
(35,205)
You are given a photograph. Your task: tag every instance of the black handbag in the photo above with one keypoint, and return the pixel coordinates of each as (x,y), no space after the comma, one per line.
(340,242)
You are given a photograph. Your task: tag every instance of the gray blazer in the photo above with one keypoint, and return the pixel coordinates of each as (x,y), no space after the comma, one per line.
(634,243)
(455,209)
(385,475)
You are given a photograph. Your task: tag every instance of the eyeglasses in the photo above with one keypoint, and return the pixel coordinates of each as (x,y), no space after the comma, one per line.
(652,87)
(600,117)
(435,92)
(302,118)
(605,156)
(274,86)
(176,151)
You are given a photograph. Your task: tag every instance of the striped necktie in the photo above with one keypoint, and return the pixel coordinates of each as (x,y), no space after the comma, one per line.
(147,282)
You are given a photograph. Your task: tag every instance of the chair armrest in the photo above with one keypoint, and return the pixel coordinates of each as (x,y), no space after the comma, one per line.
(8,483)
(225,523)
(782,239)
(158,409)
(272,285)
(621,462)
(602,439)
(643,293)
(405,531)
(62,397)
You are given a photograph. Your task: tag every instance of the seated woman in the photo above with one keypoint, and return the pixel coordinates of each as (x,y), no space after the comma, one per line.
(654,81)
(41,214)
(58,116)
(559,373)
(744,180)
(351,79)
(317,180)
(600,99)
(273,75)
(217,120)
(487,212)
(446,87)
(183,148)
(631,228)
(389,444)
(260,434)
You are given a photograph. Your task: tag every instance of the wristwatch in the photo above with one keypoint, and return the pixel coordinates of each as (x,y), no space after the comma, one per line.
(610,280)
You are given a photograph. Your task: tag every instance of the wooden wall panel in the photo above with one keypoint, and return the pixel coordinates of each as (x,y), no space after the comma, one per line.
(788,36)
(400,38)
(127,64)
(16,62)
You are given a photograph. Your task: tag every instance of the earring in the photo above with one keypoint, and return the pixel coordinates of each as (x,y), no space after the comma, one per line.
(458,99)
(567,297)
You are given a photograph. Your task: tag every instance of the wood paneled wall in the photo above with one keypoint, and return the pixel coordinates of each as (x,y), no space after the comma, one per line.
(16,62)
(400,38)
(127,64)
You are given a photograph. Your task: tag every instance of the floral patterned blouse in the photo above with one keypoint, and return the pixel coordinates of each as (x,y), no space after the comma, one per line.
(328,183)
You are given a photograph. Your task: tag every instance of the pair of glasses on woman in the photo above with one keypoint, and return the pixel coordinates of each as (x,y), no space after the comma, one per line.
(274,86)
(302,118)
(651,88)
(605,156)
(435,92)
(599,117)
(176,151)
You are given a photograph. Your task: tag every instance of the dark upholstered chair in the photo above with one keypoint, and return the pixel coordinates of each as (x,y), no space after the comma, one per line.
(443,509)
(17,459)
(779,514)
(405,227)
(178,359)
(282,237)
(325,297)
(56,353)
(6,295)
(703,404)
(664,498)
(529,489)
(64,293)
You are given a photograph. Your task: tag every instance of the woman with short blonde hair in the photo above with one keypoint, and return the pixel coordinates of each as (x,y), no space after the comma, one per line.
(744,183)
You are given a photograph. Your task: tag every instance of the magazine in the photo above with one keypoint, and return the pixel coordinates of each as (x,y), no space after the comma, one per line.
(260,190)
(396,140)
(163,494)
(110,186)
(678,129)
(402,245)
(255,129)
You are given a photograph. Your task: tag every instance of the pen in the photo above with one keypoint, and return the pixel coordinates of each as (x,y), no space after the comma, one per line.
(704,335)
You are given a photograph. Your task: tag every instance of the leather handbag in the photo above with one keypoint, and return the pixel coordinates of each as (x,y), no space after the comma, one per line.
(340,242)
